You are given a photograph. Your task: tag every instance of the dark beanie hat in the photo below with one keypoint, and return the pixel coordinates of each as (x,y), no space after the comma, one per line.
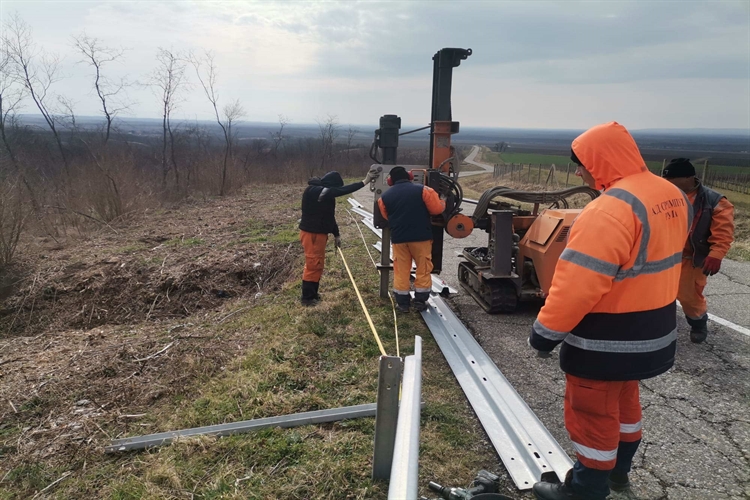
(678,167)
(575,158)
(399,174)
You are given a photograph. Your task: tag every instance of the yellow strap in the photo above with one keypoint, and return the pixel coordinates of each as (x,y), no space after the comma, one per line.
(393,305)
(362,303)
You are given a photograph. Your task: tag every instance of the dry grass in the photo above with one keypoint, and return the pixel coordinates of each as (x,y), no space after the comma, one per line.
(66,392)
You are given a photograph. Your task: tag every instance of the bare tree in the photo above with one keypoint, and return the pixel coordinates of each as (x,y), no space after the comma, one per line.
(10,98)
(329,132)
(278,137)
(168,79)
(112,95)
(350,133)
(205,69)
(36,70)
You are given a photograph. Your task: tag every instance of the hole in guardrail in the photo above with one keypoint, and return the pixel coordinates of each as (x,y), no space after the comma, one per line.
(537,455)
(390,365)
(388,387)
(472,362)
(484,379)
(549,452)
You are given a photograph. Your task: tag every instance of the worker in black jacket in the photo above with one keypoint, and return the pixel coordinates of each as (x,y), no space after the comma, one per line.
(318,220)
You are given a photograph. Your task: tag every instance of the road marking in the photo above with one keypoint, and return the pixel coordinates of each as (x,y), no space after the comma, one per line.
(724,322)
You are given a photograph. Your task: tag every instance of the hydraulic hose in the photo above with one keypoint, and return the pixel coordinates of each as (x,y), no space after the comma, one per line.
(557,199)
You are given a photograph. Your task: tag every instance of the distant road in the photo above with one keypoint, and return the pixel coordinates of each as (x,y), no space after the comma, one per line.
(470,160)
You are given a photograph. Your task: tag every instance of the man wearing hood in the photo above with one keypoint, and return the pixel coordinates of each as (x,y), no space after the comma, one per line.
(612,305)
(318,220)
(709,240)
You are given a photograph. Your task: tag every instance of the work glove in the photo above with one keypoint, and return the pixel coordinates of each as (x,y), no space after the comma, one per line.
(372,174)
(337,241)
(711,266)
(540,354)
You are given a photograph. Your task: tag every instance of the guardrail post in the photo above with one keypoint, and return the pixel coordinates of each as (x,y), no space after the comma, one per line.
(386,416)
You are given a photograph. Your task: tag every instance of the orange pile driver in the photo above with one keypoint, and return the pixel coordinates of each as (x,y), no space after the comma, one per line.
(523,245)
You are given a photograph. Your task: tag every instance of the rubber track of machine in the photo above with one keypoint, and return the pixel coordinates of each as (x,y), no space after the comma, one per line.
(502,296)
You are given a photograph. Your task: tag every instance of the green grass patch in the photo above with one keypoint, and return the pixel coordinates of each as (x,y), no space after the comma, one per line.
(137,247)
(185,242)
(263,232)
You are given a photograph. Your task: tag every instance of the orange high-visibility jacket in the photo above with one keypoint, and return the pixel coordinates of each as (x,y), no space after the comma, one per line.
(717,235)
(613,295)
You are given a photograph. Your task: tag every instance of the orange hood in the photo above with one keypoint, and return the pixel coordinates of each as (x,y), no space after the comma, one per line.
(609,153)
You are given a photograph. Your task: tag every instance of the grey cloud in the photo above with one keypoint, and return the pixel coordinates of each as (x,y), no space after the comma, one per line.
(401,37)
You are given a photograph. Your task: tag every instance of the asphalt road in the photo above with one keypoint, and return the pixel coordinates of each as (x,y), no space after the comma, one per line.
(696,442)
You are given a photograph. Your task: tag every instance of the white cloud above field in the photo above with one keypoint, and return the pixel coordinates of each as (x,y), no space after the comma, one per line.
(536,64)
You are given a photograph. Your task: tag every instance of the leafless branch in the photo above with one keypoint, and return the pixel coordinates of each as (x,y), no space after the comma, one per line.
(112,95)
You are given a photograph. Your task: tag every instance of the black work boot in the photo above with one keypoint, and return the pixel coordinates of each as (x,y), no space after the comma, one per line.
(403,302)
(618,481)
(309,293)
(420,300)
(556,491)
(315,287)
(698,329)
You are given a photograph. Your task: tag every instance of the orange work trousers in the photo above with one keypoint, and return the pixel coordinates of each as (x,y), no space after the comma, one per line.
(690,293)
(403,254)
(314,245)
(599,414)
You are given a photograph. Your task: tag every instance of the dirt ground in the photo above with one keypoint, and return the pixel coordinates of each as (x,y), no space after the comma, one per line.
(92,327)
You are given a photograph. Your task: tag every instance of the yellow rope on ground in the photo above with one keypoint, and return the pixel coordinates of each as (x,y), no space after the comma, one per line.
(362,303)
(393,305)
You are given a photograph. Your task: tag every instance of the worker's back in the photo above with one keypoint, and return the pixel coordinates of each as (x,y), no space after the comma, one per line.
(613,295)
(408,216)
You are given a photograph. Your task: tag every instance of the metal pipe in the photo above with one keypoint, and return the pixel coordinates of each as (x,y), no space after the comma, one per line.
(284,421)
(405,468)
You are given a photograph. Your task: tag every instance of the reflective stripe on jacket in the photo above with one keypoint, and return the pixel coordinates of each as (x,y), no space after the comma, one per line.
(712,231)
(408,207)
(612,299)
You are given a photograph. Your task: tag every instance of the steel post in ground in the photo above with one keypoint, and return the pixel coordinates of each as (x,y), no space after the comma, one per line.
(385,262)
(405,468)
(386,416)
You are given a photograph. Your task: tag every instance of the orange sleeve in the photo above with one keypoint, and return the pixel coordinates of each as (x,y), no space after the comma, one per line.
(598,246)
(432,201)
(383,211)
(722,229)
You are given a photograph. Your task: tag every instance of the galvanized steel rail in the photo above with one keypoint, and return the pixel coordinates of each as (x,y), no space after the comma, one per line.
(306,418)
(524,444)
(405,468)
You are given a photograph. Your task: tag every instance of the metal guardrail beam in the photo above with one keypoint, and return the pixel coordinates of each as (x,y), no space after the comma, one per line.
(405,468)
(284,421)
(524,444)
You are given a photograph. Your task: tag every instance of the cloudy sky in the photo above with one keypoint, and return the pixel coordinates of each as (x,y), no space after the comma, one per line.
(536,64)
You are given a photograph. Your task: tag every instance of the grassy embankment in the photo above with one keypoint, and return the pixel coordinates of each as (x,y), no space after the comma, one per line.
(275,358)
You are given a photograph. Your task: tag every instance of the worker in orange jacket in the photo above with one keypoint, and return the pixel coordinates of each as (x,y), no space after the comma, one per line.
(612,304)
(708,242)
(408,207)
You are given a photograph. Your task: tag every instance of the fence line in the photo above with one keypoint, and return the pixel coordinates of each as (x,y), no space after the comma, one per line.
(532,174)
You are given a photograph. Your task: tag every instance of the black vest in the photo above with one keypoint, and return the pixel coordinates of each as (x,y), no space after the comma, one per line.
(703,209)
(408,217)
